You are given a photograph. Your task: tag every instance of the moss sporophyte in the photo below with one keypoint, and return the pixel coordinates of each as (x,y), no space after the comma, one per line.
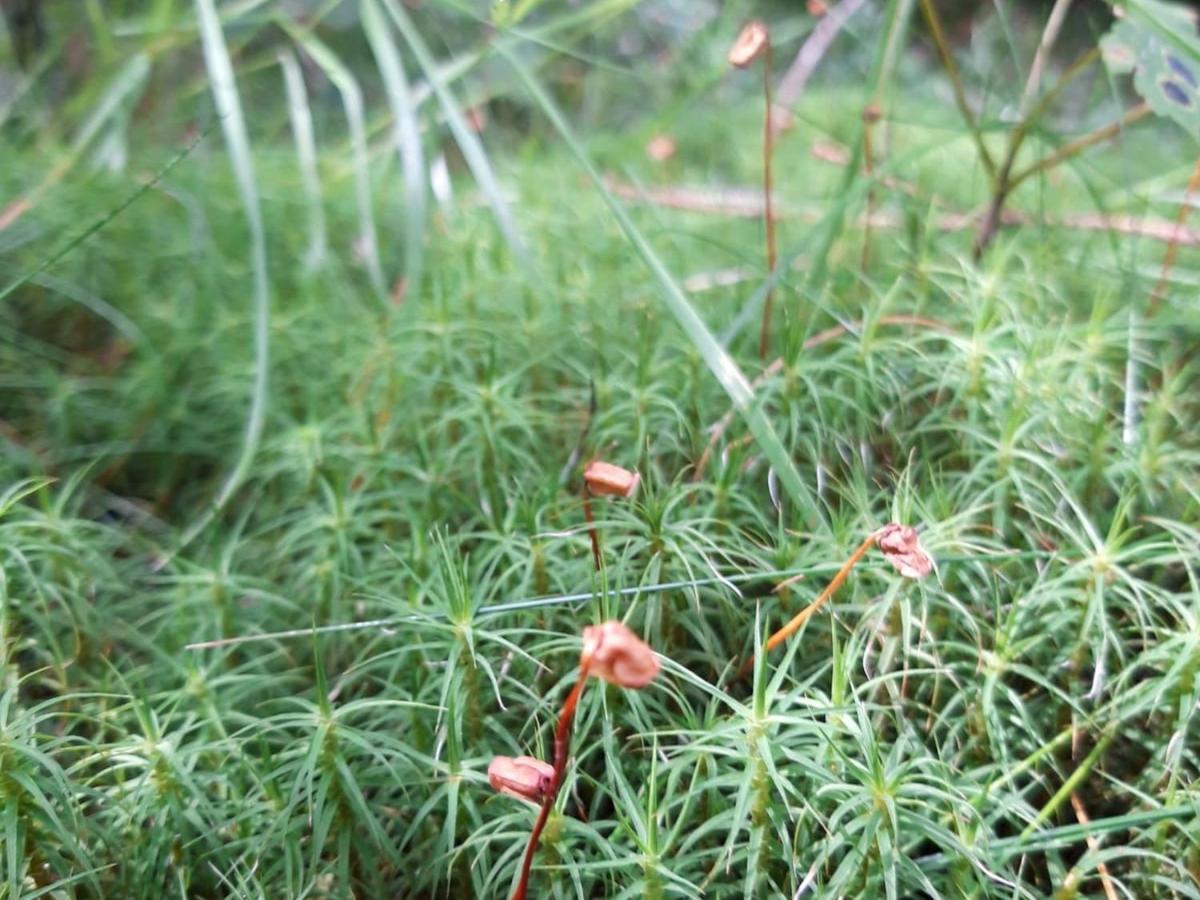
(610,652)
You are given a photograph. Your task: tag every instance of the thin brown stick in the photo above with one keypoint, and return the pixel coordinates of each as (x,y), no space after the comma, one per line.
(776,366)
(990,222)
(1002,187)
(738,202)
(792,85)
(960,97)
(1093,845)
(1155,229)
(1054,21)
(597,559)
(1077,146)
(805,614)
(562,736)
(1185,210)
(870,116)
(764,338)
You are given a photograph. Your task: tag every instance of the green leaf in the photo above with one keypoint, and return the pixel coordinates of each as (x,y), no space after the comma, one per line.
(1157,42)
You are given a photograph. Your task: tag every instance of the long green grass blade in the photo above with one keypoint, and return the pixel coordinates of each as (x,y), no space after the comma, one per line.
(300,116)
(719,362)
(233,125)
(100,223)
(119,94)
(407,136)
(468,142)
(352,102)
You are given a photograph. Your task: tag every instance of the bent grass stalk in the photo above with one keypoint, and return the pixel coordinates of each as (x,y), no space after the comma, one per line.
(805,614)
(233,124)
(901,546)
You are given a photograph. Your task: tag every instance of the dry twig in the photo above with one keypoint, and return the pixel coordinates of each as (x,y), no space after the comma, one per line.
(1071,881)
(1185,209)
(739,202)
(808,58)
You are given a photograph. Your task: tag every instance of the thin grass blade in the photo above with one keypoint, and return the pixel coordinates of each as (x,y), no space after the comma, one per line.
(407,136)
(300,116)
(468,143)
(233,124)
(719,362)
(337,72)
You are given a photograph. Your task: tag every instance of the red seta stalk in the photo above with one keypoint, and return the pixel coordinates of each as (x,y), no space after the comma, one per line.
(591,523)
(562,738)
(601,479)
